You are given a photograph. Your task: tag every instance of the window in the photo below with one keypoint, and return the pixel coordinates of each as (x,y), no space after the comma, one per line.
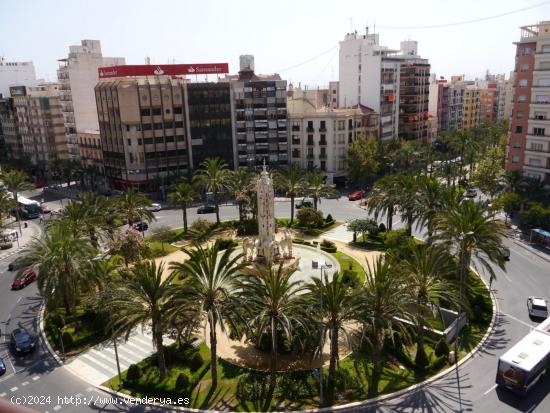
(310,139)
(542,99)
(167,111)
(524,68)
(169,139)
(519,129)
(129,142)
(540,115)
(525,51)
(140,142)
(159,139)
(147,126)
(148,141)
(144,97)
(156,111)
(178,124)
(534,162)
(536,147)
(323,124)
(515,159)
(127,128)
(522,83)
(310,124)
(538,131)
(544,82)
(180,138)
(178,110)
(521,98)
(519,114)
(158,125)
(145,112)
(516,144)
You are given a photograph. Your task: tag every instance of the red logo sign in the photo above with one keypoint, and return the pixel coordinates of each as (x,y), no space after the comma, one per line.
(158,70)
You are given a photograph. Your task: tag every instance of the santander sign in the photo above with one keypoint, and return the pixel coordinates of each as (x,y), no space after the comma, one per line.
(159,70)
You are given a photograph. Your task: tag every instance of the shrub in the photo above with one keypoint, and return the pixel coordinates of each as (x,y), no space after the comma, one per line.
(134,373)
(328,246)
(439,362)
(196,362)
(329,219)
(67,339)
(226,243)
(381,227)
(200,225)
(298,240)
(248,227)
(350,278)
(5,245)
(421,360)
(309,217)
(56,319)
(442,348)
(252,386)
(395,239)
(182,382)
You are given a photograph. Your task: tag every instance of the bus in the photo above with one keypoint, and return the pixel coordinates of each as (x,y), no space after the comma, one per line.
(28,209)
(525,363)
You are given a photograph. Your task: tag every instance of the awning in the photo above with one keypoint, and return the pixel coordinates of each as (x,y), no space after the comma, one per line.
(542,232)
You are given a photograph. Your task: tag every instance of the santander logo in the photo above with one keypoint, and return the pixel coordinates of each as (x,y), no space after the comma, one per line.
(191,69)
(158,71)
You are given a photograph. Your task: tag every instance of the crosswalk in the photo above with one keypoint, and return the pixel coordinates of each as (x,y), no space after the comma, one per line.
(98,364)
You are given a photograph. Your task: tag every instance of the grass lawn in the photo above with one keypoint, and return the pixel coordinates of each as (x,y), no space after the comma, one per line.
(369,243)
(349,263)
(285,222)
(160,249)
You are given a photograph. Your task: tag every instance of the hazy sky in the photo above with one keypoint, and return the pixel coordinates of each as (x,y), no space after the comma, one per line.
(296,38)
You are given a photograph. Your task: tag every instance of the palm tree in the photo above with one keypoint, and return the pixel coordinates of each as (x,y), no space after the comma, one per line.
(428,269)
(383,199)
(429,201)
(210,275)
(339,305)
(74,217)
(95,209)
(141,298)
(214,177)
(291,181)
(239,184)
(316,187)
(183,195)
(6,205)
(274,304)
(133,205)
(385,304)
(16,181)
(60,259)
(473,231)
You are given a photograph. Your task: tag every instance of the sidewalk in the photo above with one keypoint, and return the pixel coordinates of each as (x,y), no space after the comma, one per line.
(29,233)
(527,246)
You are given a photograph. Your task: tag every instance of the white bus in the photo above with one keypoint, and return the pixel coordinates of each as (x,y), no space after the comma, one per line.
(28,208)
(524,364)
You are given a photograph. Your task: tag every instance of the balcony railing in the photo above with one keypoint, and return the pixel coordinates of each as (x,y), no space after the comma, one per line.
(309,130)
(323,142)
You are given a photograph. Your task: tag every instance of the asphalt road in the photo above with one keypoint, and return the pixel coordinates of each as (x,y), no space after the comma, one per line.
(527,274)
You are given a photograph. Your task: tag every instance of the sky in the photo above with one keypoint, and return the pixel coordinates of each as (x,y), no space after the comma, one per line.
(296,38)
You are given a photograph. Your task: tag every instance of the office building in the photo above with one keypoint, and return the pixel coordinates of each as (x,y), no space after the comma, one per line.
(15,74)
(529,134)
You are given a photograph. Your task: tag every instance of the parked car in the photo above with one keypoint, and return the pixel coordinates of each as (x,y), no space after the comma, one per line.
(470,193)
(22,280)
(14,265)
(154,208)
(537,307)
(140,226)
(45,209)
(357,195)
(306,202)
(10,234)
(21,341)
(2,366)
(333,195)
(206,209)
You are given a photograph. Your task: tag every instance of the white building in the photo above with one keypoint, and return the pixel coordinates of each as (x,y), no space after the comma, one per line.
(77,76)
(15,74)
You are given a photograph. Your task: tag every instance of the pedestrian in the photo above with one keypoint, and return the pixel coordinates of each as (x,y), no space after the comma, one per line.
(40,221)
(490,283)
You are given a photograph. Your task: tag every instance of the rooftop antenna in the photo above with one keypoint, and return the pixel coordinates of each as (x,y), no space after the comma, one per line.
(367,29)
(351,24)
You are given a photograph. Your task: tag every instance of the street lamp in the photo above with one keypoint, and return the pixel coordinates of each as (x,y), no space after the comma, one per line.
(321,340)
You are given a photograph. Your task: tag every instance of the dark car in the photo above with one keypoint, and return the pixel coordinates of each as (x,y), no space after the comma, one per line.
(206,209)
(305,203)
(2,366)
(470,193)
(22,280)
(21,341)
(14,265)
(140,226)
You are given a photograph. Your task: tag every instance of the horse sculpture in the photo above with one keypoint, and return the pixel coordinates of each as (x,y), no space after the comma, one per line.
(248,248)
(286,243)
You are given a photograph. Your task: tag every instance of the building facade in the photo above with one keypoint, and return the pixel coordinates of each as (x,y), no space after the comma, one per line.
(471,107)
(15,74)
(9,129)
(529,134)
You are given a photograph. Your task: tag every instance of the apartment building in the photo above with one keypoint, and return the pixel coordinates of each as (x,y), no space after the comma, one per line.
(471,107)
(445,105)
(40,124)
(15,74)
(77,76)
(90,153)
(529,134)
(9,129)
(320,135)
(489,102)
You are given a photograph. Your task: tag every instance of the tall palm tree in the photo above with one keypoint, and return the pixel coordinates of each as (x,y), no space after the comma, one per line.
(383,199)
(339,305)
(183,195)
(385,304)
(210,274)
(141,298)
(133,205)
(291,182)
(316,187)
(430,200)
(213,176)
(473,231)
(6,205)
(407,187)
(240,184)
(95,208)
(16,181)
(73,217)
(428,269)
(275,305)
(60,259)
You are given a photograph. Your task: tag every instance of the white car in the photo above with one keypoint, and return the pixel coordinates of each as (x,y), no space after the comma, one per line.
(154,208)
(537,307)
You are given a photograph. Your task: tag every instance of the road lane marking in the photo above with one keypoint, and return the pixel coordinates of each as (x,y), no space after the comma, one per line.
(19,299)
(491,389)
(56,408)
(89,389)
(4,394)
(37,377)
(14,389)
(24,383)
(519,321)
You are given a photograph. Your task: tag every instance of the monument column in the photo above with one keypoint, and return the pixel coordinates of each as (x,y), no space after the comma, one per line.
(266,214)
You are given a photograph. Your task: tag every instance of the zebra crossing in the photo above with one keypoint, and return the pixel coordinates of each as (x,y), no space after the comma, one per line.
(98,364)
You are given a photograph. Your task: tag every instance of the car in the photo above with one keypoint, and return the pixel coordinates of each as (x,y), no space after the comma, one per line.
(14,265)
(306,202)
(140,226)
(10,234)
(206,209)
(22,280)
(537,307)
(22,342)
(470,193)
(2,366)
(333,195)
(356,195)
(45,209)
(154,208)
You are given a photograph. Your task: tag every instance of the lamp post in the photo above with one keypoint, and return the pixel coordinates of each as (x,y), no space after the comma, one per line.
(116,353)
(321,339)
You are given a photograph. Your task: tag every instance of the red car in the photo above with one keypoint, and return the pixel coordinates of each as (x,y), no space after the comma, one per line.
(45,209)
(356,196)
(21,281)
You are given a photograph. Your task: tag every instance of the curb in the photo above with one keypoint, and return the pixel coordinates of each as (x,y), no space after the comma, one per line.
(44,338)
(531,250)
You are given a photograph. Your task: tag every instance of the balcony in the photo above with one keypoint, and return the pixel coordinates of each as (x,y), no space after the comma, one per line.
(538,168)
(295,141)
(322,129)
(322,156)
(537,151)
(309,130)
(309,156)
(323,142)
(310,142)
